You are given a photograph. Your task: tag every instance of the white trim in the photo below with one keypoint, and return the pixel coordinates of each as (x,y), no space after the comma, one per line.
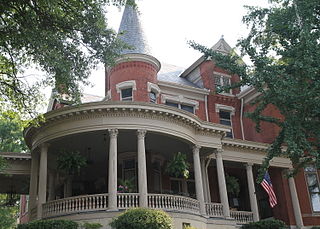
(225,107)
(154,87)
(126,84)
(222,74)
(202,91)
(180,99)
(139,57)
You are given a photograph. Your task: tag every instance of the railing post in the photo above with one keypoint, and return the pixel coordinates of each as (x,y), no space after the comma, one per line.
(198,178)
(112,183)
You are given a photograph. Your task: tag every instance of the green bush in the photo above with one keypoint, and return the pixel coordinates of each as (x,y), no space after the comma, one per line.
(91,225)
(142,218)
(266,224)
(49,224)
(315,227)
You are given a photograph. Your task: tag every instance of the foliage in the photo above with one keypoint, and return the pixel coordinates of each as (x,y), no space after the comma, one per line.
(315,227)
(266,224)
(142,218)
(91,225)
(11,132)
(125,186)
(283,46)
(3,164)
(65,39)
(49,224)
(178,166)
(233,186)
(71,162)
(8,214)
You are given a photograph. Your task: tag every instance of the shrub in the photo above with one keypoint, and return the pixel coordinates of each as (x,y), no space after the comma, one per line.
(266,224)
(91,225)
(315,227)
(49,224)
(142,218)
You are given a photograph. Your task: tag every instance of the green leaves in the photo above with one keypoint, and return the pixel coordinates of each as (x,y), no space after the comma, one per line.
(71,162)
(284,47)
(66,39)
(178,166)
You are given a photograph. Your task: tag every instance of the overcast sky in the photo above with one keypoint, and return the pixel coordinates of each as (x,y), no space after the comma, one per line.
(169,24)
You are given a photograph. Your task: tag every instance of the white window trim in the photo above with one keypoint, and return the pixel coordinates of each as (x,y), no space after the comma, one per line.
(309,195)
(126,85)
(226,108)
(232,111)
(180,100)
(221,82)
(154,87)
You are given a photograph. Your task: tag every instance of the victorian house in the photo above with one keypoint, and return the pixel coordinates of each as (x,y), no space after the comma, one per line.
(150,112)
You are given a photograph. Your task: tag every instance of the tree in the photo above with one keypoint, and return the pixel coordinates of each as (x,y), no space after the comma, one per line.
(8,214)
(65,39)
(284,47)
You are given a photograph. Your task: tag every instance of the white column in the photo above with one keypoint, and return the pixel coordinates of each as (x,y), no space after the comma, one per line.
(204,181)
(198,178)
(112,180)
(42,189)
(222,184)
(33,180)
(295,203)
(252,193)
(142,169)
(207,180)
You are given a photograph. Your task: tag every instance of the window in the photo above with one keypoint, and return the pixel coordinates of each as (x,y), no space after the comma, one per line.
(222,81)
(188,108)
(129,171)
(126,94)
(313,187)
(153,97)
(225,119)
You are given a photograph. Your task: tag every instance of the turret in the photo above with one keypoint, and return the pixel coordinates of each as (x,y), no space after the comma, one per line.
(134,76)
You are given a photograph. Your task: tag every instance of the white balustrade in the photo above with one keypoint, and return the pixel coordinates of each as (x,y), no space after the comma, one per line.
(214,209)
(171,202)
(75,204)
(128,200)
(242,217)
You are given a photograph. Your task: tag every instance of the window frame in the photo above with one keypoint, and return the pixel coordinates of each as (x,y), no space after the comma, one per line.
(129,98)
(231,110)
(221,79)
(314,172)
(125,85)
(180,101)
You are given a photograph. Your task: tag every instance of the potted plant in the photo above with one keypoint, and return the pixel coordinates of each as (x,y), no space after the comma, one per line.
(70,163)
(125,186)
(178,166)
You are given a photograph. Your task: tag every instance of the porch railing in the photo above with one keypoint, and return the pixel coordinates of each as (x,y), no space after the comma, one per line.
(128,200)
(242,217)
(171,202)
(75,204)
(214,209)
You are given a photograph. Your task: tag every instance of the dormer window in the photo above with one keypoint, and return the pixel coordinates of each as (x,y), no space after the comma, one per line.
(225,116)
(126,94)
(222,80)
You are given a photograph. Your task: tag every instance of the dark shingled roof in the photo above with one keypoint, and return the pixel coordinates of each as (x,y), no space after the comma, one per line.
(131,32)
(171,73)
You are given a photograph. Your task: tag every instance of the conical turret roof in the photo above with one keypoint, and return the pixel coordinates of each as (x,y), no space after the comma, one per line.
(132,33)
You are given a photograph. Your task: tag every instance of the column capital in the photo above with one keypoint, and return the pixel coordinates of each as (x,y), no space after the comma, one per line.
(196,148)
(44,146)
(249,164)
(141,133)
(113,133)
(219,151)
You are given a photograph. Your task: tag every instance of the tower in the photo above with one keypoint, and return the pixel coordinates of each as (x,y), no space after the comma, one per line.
(134,74)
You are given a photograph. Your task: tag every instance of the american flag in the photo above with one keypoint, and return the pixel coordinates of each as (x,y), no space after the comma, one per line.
(267,186)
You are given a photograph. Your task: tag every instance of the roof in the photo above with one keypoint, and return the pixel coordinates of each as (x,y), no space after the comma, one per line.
(171,73)
(131,32)
(221,46)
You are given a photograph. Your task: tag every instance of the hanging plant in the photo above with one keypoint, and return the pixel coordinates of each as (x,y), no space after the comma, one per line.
(178,166)
(233,186)
(71,162)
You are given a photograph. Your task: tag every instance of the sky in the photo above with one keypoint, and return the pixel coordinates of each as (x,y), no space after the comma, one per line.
(169,24)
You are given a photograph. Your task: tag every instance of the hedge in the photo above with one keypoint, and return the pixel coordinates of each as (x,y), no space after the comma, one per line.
(142,218)
(49,224)
(266,224)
